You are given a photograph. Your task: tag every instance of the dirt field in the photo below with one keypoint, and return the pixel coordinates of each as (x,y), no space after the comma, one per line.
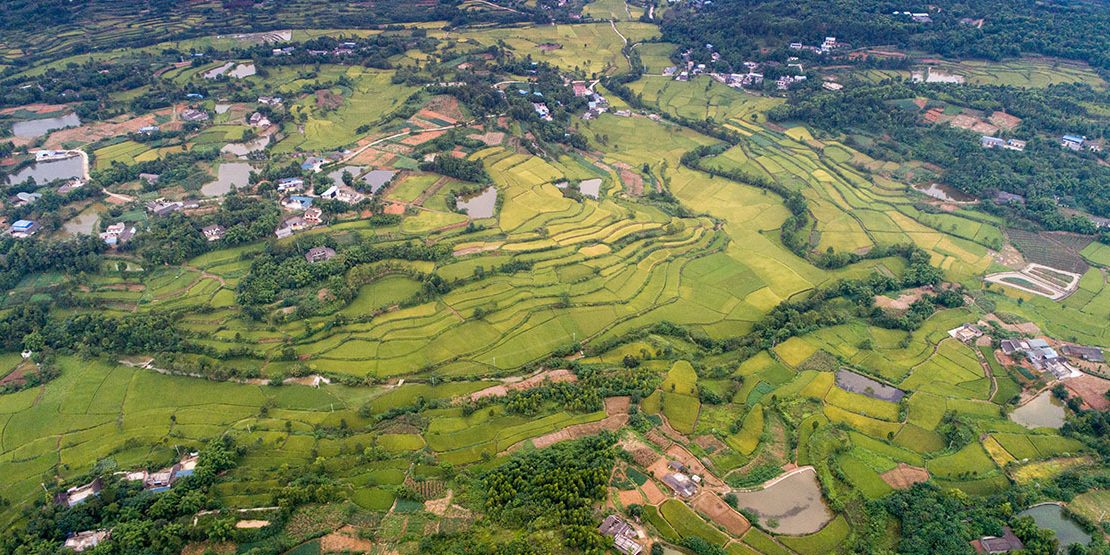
(905,476)
(902,302)
(344,540)
(446,107)
(629,497)
(710,443)
(653,493)
(720,513)
(1004,120)
(438,506)
(491,139)
(1091,389)
(252,523)
(554,376)
(616,407)
(421,138)
(328,99)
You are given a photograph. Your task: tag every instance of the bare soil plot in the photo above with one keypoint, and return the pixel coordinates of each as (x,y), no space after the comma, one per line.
(628,497)
(1004,120)
(1091,389)
(492,138)
(905,476)
(720,513)
(611,423)
(652,492)
(345,540)
(252,523)
(328,99)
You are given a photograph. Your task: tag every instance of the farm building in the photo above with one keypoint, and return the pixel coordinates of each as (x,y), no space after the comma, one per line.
(622,534)
(966,333)
(1002,197)
(24,198)
(149,177)
(189,114)
(312,164)
(1089,354)
(161,208)
(290,184)
(319,254)
(1006,543)
(72,184)
(214,232)
(269,100)
(1040,355)
(1073,142)
(24,228)
(681,484)
(80,541)
(80,494)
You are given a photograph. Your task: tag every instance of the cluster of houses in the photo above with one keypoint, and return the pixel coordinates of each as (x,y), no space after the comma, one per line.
(824,48)
(259,120)
(684,485)
(622,534)
(344,48)
(1041,356)
(152,481)
(117,234)
(1077,143)
(995,142)
(269,100)
(596,104)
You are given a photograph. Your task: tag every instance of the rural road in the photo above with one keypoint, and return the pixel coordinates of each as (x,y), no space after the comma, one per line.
(611,22)
(492,5)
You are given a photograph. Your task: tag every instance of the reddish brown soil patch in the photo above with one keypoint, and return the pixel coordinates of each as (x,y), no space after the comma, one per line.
(446,107)
(1004,120)
(554,376)
(493,138)
(38,108)
(345,540)
(656,437)
(431,114)
(905,476)
(633,182)
(720,513)
(15,377)
(653,493)
(421,138)
(902,302)
(198,548)
(629,497)
(1091,389)
(549,46)
(438,506)
(328,99)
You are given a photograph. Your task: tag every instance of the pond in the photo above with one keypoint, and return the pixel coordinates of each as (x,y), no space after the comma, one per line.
(944,192)
(376,179)
(336,176)
(242,70)
(794,501)
(1050,516)
(216,72)
(590,187)
(858,383)
(242,149)
(81,224)
(481,205)
(45,172)
(233,174)
(1044,411)
(39,127)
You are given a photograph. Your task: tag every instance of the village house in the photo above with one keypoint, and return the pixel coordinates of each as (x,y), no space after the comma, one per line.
(966,333)
(117,234)
(312,164)
(297,202)
(290,226)
(622,534)
(80,541)
(213,232)
(288,184)
(1002,197)
(832,86)
(24,198)
(79,494)
(71,185)
(23,228)
(190,114)
(149,177)
(148,129)
(162,208)
(313,216)
(269,100)
(258,120)
(542,110)
(683,485)
(993,142)
(343,193)
(319,254)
